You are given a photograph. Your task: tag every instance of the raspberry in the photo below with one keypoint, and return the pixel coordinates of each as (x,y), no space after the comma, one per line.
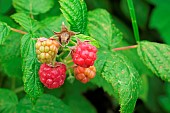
(84,74)
(84,54)
(52,77)
(46,49)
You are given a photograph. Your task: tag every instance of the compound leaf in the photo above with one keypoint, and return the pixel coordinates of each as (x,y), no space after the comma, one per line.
(101,28)
(8,101)
(32,84)
(75,12)
(117,71)
(34,7)
(125,80)
(157,57)
(26,22)
(5,29)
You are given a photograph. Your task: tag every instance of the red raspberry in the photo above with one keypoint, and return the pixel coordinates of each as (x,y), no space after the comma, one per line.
(52,77)
(84,74)
(84,54)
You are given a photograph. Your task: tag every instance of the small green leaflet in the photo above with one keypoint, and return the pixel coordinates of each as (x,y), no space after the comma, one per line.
(157,57)
(101,28)
(4,31)
(8,101)
(34,7)
(44,104)
(32,84)
(75,12)
(26,22)
(118,71)
(85,38)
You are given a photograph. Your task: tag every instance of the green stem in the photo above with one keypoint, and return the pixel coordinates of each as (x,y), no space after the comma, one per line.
(19,89)
(1,79)
(13,83)
(133,18)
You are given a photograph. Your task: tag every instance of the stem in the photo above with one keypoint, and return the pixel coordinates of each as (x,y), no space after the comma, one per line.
(13,83)
(19,89)
(19,31)
(125,48)
(133,18)
(1,80)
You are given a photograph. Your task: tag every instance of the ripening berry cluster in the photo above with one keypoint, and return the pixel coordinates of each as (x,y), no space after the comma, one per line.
(53,74)
(84,56)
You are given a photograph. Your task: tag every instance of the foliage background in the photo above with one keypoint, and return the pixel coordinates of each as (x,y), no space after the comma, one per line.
(153,20)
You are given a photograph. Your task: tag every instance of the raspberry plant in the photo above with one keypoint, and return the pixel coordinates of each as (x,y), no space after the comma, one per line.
(54,51)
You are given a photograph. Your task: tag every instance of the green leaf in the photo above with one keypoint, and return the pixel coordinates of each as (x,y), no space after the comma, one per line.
(159,19)
(144,89)
(26,22)
(51,24)
(10,55)
(118,74)
(5,5)
(117,36)
(5,29)
(32,84)
(101,28)
(83,106)
(34,7)
(127,32)
(141,9)
(125,80)
(98,79)
(137,62)
(157,57)
(75,12)
(85,38)
(164,100)
(8,101)
(44,104)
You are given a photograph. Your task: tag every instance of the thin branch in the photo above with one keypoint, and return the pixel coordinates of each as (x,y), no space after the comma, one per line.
(18,31)
(125,48)
(19,89)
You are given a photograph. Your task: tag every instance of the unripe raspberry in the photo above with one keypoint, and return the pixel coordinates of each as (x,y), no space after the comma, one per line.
(84,54)
(52,77)
(46,49)
(84,74)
